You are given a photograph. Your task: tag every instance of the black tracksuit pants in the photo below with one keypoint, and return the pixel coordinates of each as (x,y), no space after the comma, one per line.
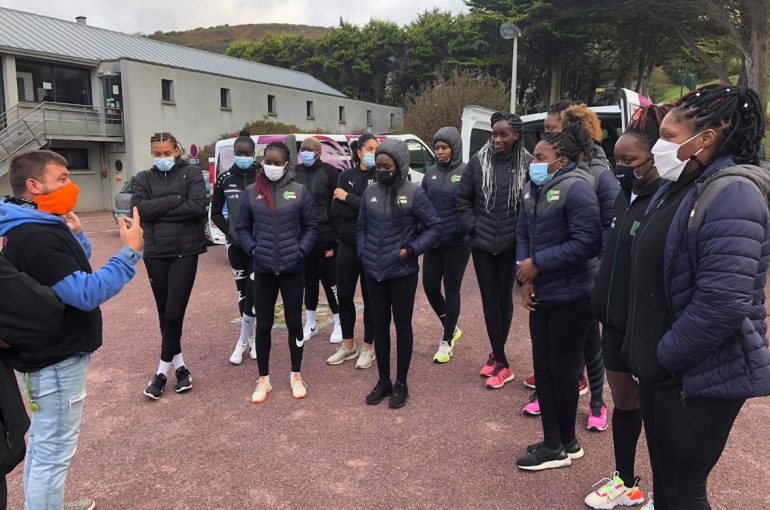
(172,281)
(495,274)
(320,267)
(243,273)
(447,264)
(349,271)
(266,287)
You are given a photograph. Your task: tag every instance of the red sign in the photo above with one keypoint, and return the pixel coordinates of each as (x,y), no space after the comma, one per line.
(194,150)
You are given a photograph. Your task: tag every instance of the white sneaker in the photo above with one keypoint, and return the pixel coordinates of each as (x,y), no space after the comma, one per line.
(298,387)
(366,357)
(336,335)
(309,332)
(263,388)
(236,358)
(252,348)
(342,354)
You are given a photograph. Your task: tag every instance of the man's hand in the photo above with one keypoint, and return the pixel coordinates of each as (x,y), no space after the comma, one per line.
(340,194)
(528,297)
(527,271)
(73,222)
(131,232)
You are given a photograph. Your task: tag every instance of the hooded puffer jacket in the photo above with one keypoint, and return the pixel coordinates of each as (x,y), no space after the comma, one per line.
(172,207)
(715,266)
(278,239)
(440,184)
(560,230)
(606,186)
(389,218)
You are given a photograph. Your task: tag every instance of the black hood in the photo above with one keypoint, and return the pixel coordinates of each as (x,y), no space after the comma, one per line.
(398,152)
(451,136)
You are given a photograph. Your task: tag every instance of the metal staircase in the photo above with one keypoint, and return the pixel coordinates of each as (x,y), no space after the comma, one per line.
(29,127)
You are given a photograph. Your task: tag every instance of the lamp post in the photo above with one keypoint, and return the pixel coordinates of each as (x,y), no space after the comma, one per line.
(510,31)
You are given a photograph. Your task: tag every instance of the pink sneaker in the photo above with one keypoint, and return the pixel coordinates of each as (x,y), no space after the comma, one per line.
(488,369)
(597,420)
(501,376)
(533,407)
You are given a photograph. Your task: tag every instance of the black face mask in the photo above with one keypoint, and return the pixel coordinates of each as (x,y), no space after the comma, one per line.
(386,178)
(625,176)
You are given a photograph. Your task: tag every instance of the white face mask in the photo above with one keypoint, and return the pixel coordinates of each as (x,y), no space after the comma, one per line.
(667,161)
(274,172)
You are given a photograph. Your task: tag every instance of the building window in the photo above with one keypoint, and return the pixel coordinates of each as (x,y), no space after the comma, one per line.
(309,110)
(77,159)
(342,114)
(392,121)
(224,98)
(38,82)
(368,118)
(272,108)
(167,89)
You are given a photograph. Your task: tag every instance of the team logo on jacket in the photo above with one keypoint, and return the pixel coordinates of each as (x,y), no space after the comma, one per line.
(433,178)
(370,181)
(260,196)
(373,200)
(402,199)
(289,195)
(634,228)
(552,195)
(455,178)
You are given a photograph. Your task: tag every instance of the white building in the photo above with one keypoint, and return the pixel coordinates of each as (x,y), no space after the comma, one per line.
(96,96)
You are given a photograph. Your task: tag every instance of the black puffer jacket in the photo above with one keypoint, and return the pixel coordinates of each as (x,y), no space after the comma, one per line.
(354,181)
(440,184)
(321,179)
(492,225)
(227,192)
(172,207)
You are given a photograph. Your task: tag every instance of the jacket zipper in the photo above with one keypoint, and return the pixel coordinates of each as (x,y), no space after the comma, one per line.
(497,206)
(274,214)
(614,261)
(379,250)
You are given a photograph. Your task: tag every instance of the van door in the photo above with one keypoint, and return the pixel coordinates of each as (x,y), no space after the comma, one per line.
(630,101)
(420,159)
(475,130)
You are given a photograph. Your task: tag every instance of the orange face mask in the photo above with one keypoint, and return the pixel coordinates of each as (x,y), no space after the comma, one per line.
(61,201)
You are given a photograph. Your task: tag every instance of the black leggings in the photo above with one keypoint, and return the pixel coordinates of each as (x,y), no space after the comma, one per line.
(172,281)
(495,275)
(266,287)
(396,296)
(320,267)
(685,440)
(594,362)
(349,271)
(448,264)
(243,272)
(557,340)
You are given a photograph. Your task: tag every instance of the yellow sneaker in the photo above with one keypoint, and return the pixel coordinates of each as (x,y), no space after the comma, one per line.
(263,388)
(456,336)
(298,387)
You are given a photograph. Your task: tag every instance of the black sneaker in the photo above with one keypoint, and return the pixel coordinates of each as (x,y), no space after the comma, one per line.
(156,386)
(400,395)
(183,380)
(574,450)
(383,389)
(543,458)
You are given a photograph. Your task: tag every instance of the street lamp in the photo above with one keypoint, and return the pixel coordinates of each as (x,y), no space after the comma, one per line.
(510,31)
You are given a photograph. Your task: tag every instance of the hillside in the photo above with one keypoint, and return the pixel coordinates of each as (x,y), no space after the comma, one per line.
(217,39)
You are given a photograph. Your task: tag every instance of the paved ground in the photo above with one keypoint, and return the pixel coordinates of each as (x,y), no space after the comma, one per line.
(453,446)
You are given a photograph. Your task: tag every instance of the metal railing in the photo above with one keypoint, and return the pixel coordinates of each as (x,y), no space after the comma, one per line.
(31,127)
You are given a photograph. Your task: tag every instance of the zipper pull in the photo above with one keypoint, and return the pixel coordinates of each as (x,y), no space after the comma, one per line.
(682,398)
(8,441)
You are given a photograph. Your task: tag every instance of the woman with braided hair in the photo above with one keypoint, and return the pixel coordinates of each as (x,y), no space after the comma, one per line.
(695,335)
(171,199)
(487,204)
(558,240)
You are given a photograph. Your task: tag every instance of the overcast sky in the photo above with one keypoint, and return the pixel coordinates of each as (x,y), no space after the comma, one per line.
(148,16)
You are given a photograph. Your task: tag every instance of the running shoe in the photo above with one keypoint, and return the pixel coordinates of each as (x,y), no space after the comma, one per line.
(366,358)
(384,388)
(298,387)
(597,420)
(81,504)
(399,396)
(533,406)
(342,354)
(650,503)
(336,336)
(582,385)
(573,449)
(540,457)
(489,367)
(611,492)
(456,336)
(183,380)
(263,388)
(529,381)
(236,358)
(156,386)
(444,353)
(309,331)
(501,376)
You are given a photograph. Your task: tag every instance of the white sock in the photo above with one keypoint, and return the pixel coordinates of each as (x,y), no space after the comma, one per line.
(336,319)
(310,315)
(291,376)
(178,361)
(163,367)
(247,326)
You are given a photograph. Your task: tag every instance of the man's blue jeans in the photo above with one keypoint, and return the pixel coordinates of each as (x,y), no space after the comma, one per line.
(59,391)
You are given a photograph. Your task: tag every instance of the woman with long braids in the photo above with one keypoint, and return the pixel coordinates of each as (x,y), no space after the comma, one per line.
(171,200)
(488,203)
(696,328)
(277,226)
(639,180)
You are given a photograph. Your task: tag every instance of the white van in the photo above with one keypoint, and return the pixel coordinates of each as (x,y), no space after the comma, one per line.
(335,150)
(476,129)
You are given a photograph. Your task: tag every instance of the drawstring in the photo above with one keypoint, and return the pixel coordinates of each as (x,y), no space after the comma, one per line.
(32,404)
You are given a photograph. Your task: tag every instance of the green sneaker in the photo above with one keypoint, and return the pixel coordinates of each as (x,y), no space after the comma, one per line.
(456,336)
(444,353)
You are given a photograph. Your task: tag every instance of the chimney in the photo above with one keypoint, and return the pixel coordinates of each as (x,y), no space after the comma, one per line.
(81,20)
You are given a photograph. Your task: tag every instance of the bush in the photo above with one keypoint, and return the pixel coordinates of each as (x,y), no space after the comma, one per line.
(441,103)
(660,84)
